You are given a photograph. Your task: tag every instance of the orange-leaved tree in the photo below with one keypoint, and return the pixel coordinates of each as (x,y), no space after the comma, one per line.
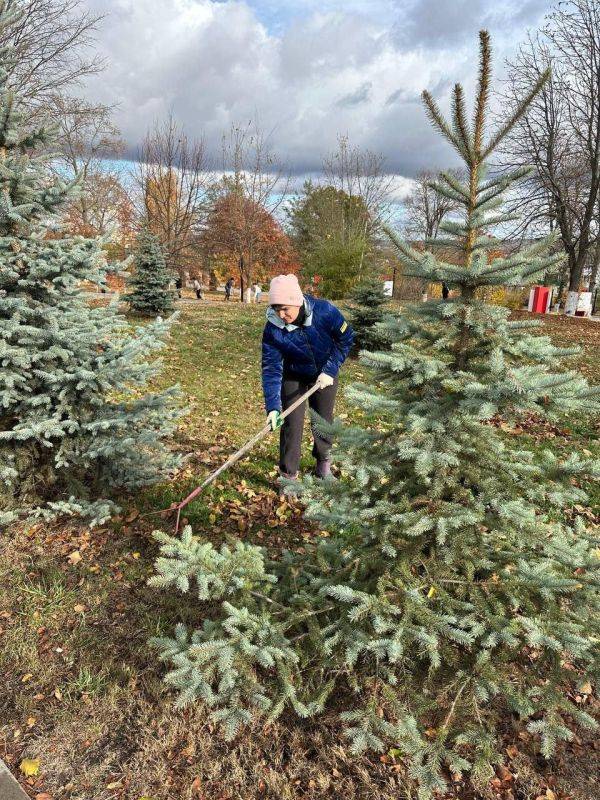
(242,238)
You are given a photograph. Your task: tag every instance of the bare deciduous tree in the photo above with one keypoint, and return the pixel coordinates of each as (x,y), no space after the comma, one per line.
(426,208)
(560,133)
(88,137)
(360,173)
(107,209)
(254,176)
(53,42)
(172,181)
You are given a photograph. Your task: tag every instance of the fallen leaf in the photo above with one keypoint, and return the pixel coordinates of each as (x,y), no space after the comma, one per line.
(133,514)
(79,608)
(31,722)
(114,785)
(74,557)
(550,794)
(44,796)
(58,694)
(30,767)
(586,688)
(27,677)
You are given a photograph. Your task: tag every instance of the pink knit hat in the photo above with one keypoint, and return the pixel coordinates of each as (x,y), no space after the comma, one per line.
(285,291)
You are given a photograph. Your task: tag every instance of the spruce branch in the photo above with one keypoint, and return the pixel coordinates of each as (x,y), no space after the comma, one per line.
(459,116)
(482,91)
(437,119)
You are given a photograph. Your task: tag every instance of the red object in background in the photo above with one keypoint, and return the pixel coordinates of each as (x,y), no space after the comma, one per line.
(541,299)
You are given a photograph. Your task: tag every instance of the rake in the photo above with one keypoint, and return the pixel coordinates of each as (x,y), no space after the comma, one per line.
(232,460)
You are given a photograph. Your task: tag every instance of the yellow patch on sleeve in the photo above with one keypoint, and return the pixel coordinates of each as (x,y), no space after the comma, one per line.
(344,326)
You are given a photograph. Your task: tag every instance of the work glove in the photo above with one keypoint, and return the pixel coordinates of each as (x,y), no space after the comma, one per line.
(324,380)
(274,420)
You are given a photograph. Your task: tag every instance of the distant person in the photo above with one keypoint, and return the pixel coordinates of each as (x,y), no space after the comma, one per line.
(305,342)
(198,289)
(257,292)
(228,288)
(178,285)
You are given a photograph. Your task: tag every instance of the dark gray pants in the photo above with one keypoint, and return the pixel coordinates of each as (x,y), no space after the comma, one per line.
(290,438)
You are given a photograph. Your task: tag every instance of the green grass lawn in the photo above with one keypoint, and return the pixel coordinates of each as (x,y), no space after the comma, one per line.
(214,355)
(83,693)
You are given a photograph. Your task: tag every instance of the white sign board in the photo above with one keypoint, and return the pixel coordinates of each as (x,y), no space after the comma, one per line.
(579,303)
(571,304)
(584,304)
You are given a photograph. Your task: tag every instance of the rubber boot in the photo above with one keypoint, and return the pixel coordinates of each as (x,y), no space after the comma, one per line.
(288,476)
(323,469)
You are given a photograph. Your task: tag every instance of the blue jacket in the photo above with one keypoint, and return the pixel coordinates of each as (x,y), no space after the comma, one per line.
(321,344)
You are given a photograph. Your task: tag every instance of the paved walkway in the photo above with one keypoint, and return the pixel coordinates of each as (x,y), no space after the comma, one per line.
(9,788)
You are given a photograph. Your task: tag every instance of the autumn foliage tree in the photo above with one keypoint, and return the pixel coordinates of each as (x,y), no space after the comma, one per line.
(243,238)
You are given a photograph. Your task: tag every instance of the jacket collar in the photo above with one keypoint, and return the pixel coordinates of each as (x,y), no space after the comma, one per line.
(279,323)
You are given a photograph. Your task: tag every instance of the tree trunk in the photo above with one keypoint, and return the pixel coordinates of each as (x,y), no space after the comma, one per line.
(241,270)
(576,271)
(595,265)
(594,275)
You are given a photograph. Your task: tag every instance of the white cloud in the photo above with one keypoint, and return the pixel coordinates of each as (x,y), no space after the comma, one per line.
(305,70)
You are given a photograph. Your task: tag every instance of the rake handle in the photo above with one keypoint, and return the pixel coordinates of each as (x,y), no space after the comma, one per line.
(239,453)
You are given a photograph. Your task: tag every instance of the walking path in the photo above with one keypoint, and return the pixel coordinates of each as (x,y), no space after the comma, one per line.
(9,788)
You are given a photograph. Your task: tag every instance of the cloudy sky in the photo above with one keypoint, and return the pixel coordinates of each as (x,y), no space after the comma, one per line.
(307,70)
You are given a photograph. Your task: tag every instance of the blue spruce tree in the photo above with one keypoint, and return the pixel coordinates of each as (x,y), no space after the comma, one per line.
(367,314)
(71,431)
(149,285)
(451,593)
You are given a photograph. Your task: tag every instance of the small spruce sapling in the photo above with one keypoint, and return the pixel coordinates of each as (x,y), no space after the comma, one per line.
(368,300)
(150,291)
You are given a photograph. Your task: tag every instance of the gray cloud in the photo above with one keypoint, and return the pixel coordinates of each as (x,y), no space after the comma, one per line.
(306,73)
(443,25)
(357,97)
